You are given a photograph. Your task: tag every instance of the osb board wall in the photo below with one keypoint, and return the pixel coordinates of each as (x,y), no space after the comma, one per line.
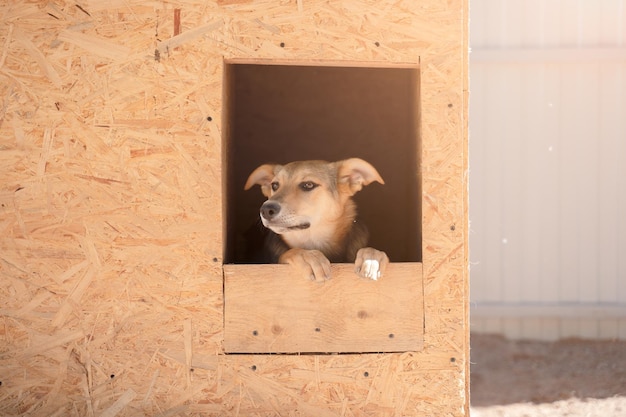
(111,208)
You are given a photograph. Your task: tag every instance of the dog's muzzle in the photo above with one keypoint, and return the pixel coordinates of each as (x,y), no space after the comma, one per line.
(270,211)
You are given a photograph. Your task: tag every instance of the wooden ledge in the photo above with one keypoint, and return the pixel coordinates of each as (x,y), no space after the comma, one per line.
(270,310)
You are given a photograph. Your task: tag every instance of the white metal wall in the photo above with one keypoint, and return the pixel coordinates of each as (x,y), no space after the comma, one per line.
(548,168)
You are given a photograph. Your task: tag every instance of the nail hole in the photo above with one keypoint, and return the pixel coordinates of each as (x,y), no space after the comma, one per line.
(209,118)
(253,367)
(452,360)
(377,43)
(255,333)
(282,44)
(391,335)
(317,329)
(453,228)
(366,374)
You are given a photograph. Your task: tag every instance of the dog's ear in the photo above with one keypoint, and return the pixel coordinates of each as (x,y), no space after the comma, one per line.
(262,176)
(356,173)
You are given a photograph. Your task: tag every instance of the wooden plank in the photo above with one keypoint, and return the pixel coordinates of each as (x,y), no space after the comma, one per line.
(548,188)
(493,255)
(579,147)
(324,63)
(268,309)
(530,203)
(511,181)
(559,55)
(598,311)
(610,138)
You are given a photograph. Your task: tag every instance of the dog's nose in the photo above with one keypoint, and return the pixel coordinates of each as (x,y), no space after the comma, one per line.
(269,210)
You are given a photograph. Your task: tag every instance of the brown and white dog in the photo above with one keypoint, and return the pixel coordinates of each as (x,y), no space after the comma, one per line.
(312,217)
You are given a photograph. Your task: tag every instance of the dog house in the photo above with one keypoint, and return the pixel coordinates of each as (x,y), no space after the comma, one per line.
(128,131)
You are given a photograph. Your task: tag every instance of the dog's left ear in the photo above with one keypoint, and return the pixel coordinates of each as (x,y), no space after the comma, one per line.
(356,173)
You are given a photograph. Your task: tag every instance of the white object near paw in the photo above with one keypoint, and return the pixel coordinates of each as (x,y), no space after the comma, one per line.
(371,269)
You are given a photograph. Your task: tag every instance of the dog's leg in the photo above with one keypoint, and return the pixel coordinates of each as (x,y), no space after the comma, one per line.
(370,263)
(312,264)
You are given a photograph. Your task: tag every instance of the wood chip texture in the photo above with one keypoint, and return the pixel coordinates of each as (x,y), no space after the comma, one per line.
(111,201)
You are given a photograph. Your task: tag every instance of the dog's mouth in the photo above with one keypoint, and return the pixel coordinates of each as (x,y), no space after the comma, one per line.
(286,223)
(280,229)
(302,226)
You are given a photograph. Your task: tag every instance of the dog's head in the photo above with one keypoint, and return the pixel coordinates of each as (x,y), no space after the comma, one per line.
(310,195)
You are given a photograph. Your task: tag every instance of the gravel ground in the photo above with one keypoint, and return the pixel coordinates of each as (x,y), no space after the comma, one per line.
(573,378)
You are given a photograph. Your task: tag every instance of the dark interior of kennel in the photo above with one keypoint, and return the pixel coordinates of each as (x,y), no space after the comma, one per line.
(283,113)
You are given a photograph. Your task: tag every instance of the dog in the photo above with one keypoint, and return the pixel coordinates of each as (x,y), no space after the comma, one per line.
(312,218)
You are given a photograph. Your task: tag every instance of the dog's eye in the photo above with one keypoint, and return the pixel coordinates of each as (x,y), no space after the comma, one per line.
(275,186)
(308,185)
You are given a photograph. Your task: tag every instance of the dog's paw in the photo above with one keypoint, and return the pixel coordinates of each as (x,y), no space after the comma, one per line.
(370,263)
(312,264)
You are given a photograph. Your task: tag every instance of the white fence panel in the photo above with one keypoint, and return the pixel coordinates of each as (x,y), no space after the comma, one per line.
(548,168)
